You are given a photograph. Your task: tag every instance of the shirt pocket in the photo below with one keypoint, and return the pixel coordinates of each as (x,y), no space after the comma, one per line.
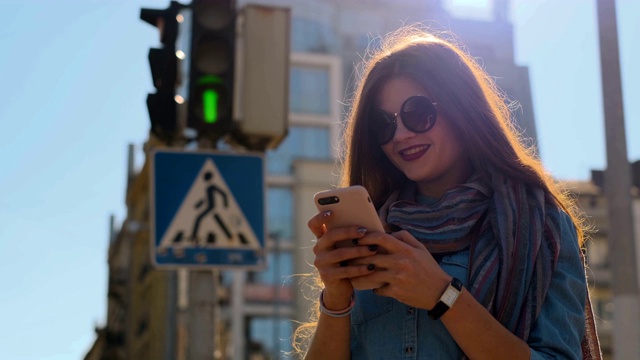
(457,265)
(370,306)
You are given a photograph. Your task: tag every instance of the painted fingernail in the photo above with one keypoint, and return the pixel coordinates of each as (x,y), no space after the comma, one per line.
(362,231)
(354,241)
(371,267)
(373,247)
(326,213)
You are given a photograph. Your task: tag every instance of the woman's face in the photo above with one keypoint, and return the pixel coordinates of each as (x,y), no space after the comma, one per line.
(436,159)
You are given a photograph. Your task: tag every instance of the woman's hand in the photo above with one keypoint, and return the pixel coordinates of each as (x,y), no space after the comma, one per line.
(332,261)
(408,272)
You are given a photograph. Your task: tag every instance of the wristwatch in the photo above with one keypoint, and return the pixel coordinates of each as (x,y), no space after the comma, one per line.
(447,299)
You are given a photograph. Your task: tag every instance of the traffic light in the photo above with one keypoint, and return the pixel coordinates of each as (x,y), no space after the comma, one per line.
(211,67)
(162,104)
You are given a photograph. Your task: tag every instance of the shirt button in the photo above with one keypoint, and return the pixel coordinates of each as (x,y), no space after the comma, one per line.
(408,349)
(411,310)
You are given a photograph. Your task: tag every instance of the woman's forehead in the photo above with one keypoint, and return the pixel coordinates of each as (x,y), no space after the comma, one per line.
(392,93)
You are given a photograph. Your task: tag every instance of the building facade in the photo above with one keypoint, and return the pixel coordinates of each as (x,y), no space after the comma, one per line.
(593,201)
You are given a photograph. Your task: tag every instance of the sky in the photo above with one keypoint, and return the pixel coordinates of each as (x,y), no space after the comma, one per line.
(75,78)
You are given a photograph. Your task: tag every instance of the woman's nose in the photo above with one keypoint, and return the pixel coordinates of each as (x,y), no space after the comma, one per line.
(402,132)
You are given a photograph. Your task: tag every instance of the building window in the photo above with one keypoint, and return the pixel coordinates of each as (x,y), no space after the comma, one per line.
(470,9)
(271,335)
(280,214)
(603,309)
(598,252)
(308,35)
(279,269)
(309,90)
(314,106)
(302,142)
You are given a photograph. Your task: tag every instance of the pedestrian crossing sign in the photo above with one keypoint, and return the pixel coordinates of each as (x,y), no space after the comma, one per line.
(207,209)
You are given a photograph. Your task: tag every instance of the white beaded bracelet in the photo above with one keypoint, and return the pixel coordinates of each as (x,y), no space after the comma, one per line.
(339,313)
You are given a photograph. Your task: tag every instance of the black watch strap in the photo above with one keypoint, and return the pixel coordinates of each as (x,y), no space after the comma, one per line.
(442,307)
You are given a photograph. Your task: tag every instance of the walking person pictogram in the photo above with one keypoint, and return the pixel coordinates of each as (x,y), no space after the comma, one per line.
(210,200)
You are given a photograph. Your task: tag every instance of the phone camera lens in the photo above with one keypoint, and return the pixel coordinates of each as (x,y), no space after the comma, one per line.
(328,200)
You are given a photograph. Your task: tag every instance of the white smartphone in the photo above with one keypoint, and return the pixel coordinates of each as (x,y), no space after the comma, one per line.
(350,206)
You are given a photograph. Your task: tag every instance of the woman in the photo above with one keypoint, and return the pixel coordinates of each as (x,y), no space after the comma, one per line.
(482,255)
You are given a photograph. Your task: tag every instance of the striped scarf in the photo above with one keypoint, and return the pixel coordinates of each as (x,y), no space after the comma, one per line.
(513,251)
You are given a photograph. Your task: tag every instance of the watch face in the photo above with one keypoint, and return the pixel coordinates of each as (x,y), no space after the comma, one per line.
(450,296)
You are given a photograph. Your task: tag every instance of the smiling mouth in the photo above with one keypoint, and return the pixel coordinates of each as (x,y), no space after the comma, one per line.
(414,152)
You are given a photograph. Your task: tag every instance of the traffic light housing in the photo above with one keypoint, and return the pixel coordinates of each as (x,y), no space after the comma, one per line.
(262,84)
(211,67)
(162,105)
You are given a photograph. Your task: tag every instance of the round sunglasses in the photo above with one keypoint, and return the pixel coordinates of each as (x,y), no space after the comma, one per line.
(417,113)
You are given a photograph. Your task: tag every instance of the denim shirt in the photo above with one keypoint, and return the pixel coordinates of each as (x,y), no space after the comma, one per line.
(384,328)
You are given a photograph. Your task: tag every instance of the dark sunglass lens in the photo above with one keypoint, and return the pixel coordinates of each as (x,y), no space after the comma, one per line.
(418,114)
(383,125)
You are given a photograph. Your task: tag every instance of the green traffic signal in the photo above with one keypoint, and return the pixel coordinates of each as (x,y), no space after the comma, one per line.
(210,98)
(210,106)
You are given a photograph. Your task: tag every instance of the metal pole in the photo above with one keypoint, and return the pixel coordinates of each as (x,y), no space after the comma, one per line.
(237,314)
(617,185)
(201,324)
(182,305)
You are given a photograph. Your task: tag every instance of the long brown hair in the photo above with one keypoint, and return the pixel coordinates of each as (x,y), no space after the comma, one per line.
(466,95)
